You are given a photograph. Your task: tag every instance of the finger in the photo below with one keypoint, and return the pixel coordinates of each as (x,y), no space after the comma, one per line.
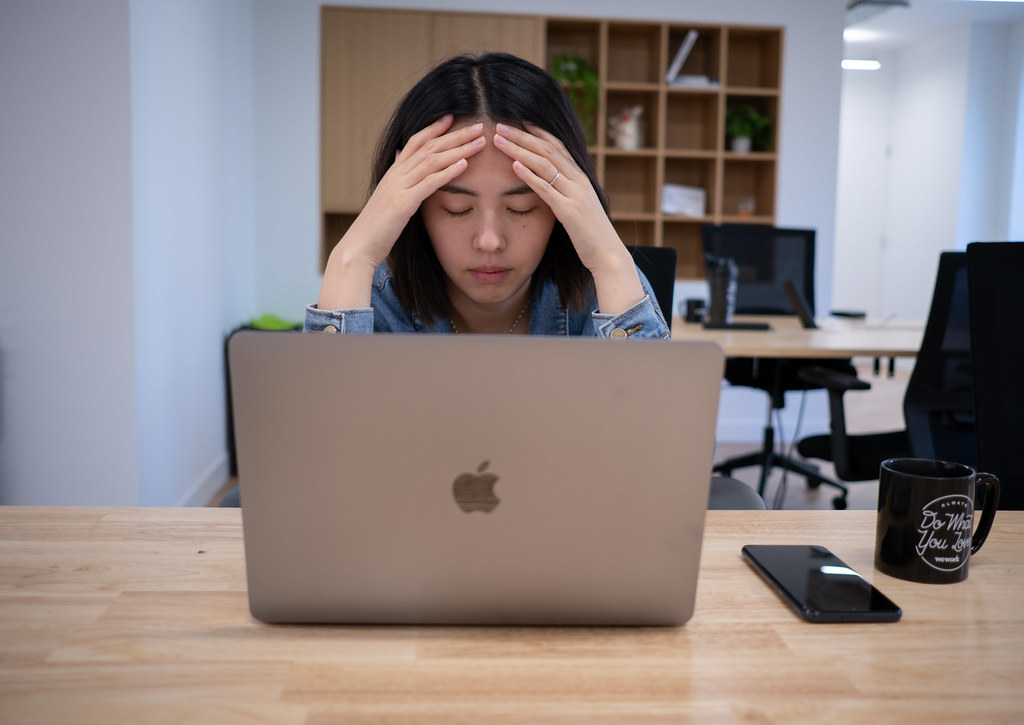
(549,194)
(413,165)
(538,166)
(544,135)
(436,137)
(425,163)
(437,128)
(542,157)
(537,140)
(436,180)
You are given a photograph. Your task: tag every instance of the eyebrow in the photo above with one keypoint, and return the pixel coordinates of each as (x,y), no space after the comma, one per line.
(456,189)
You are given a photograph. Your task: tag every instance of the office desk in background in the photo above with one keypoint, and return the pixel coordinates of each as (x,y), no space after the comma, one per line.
(141,616)
(838,338)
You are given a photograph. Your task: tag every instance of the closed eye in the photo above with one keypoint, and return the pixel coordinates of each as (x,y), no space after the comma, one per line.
(464,212)
(522,212)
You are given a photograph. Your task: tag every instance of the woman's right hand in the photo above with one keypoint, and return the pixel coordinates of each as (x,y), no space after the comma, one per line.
(432,158)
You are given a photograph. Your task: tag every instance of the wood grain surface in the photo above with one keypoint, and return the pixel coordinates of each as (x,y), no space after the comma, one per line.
(141,616)
(836,338)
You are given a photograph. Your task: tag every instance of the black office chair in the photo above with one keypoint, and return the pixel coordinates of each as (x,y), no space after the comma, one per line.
(938,405)
(767,258)
(995,271)
(659,266)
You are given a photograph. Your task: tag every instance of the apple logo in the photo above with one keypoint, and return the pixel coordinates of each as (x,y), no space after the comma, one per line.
(475,491)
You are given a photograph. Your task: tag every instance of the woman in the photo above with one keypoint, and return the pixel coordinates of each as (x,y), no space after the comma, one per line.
(485,217)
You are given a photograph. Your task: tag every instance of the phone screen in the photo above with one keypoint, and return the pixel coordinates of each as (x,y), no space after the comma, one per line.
(819,585)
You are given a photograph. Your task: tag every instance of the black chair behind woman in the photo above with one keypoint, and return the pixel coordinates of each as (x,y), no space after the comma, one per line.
(938,406)
(767,258)
(995,271)
(659,267)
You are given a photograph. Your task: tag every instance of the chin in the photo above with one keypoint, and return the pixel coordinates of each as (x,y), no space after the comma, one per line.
(492,294)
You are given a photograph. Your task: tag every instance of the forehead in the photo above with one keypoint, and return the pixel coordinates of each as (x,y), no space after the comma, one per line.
(490,169)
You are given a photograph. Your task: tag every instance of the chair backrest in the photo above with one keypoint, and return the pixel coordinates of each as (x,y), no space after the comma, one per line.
(939,403)
(767,258)
(995,271)
(659,267)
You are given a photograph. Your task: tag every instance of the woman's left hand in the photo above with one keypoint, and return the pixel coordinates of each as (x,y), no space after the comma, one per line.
(542,162)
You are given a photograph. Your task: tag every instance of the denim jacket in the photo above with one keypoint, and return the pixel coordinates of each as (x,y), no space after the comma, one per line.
(547,315)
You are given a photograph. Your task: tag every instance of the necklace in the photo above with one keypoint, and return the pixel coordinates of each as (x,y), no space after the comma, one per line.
(451,322)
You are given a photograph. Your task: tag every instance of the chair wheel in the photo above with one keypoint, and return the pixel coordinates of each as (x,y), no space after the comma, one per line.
(839,502)
(813,483)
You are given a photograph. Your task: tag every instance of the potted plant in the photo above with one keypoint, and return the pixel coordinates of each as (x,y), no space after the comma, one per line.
(748,128)
(582,85)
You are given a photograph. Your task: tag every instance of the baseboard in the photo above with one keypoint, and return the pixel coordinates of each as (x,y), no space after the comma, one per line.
(206,488)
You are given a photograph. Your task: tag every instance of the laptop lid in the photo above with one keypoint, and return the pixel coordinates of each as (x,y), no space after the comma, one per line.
(472,479)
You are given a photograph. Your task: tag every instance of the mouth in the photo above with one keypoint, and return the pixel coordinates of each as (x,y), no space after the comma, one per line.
(490,275)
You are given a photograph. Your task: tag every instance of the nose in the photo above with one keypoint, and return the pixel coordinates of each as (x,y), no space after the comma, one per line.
(490,234)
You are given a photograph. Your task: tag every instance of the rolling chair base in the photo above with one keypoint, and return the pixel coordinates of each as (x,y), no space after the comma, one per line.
(767,459)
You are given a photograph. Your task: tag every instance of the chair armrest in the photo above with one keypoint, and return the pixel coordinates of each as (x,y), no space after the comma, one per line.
(832,379)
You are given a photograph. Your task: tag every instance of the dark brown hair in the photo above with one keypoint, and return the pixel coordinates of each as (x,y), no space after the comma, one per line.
(496,87)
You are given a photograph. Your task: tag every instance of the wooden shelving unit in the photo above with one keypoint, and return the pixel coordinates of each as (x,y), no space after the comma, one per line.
(683,126)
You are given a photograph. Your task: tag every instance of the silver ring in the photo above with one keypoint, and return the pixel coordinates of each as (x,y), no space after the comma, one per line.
(552,182)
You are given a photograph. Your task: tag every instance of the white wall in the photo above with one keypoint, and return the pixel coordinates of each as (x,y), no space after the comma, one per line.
(928,127)
(931,160)
(192,135)
(67,359)
(863,193)
(985,165)
(126,194)
(287,155)
(1014,124)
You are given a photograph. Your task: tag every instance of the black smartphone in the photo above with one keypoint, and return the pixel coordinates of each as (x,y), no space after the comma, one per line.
(818,585)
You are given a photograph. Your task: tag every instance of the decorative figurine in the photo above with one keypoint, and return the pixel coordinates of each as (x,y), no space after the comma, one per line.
(624,129)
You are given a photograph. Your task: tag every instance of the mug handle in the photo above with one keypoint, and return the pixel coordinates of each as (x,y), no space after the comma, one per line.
(991,484)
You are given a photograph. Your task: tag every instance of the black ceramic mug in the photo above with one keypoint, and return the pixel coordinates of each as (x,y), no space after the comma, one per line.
(926,518)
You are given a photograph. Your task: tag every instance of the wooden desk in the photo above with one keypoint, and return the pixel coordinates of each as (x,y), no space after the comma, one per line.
(838,338)
(140,616)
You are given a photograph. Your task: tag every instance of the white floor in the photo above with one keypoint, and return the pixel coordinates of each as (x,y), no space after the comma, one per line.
(878,409)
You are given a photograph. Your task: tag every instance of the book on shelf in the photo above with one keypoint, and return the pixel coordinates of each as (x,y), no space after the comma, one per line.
(694,81)
(681,55)
(678,199)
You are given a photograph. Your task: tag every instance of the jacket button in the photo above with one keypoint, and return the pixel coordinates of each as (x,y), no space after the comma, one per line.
(618,333)
(330,330)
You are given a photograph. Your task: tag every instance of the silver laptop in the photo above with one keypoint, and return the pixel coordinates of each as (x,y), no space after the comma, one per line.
(450,479)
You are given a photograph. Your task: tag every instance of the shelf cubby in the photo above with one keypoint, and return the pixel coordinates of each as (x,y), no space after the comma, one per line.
(753,59)
(766,104)
(574,38)
(634,53)
(616,101)
(692,120)
(631,183)
(699,173)
(746,177)
(685,237)
(635,232)
(704,58)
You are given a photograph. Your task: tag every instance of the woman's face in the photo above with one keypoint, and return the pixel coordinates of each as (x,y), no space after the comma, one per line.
(488,228)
